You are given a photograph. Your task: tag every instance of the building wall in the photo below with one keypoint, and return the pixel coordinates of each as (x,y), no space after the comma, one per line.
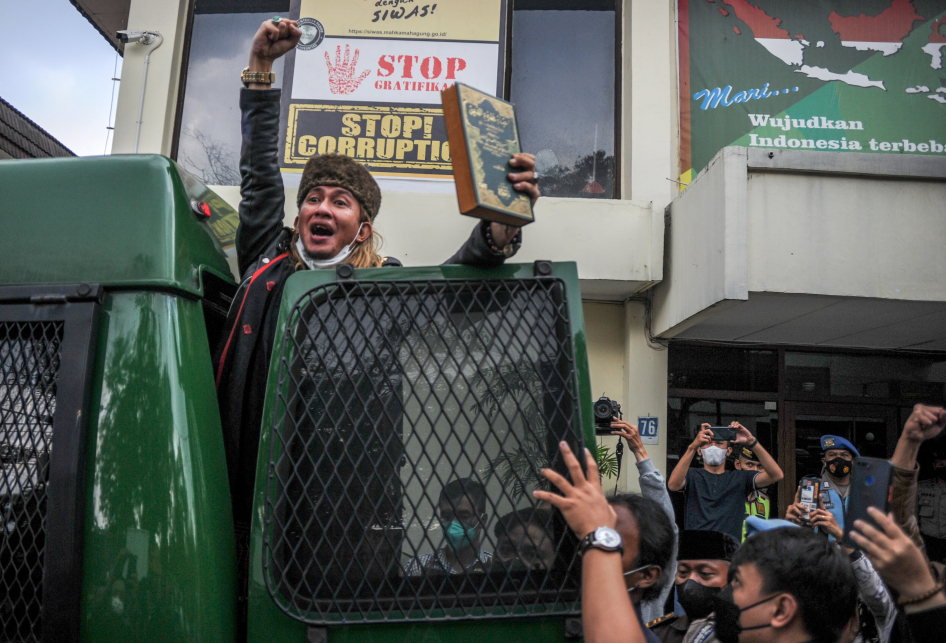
(651,130)
(848,225)
(875,236)
(604,326)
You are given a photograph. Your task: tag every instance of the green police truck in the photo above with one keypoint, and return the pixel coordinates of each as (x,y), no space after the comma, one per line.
(386,387)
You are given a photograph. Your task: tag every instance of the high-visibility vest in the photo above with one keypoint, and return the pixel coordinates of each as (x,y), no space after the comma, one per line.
(757,504)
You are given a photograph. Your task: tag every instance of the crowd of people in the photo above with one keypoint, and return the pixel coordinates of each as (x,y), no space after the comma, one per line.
(735,572)
(792,579)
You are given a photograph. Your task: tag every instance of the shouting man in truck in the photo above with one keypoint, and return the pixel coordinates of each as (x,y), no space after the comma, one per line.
(338,202)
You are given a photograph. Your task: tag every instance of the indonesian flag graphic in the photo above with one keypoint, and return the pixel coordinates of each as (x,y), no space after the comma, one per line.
(767,32)
(884,32)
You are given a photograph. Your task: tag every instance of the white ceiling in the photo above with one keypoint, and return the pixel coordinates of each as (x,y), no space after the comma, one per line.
(772,318)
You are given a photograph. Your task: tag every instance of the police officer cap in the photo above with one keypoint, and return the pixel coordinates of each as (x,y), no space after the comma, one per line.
(706,545)
(748,454)
(837,442)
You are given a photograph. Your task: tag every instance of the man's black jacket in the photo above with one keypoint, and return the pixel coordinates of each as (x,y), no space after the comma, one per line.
(241,361)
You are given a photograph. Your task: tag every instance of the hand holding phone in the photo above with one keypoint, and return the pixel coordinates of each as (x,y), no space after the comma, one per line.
(825,522)
(870,487)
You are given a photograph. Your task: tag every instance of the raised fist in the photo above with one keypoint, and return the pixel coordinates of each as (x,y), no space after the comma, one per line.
(272,40)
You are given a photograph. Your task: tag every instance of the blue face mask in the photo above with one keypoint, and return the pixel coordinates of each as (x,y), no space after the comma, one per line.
(459,535)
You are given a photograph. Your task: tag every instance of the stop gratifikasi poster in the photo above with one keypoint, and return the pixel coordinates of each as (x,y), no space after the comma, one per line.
(821,75)
(366,77)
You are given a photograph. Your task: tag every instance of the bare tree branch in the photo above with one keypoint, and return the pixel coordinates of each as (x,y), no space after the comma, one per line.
(219,166)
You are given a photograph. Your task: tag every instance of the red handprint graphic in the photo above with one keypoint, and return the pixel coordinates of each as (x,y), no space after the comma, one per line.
(341,75)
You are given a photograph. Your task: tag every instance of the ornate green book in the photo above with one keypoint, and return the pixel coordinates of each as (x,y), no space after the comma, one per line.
(483,137)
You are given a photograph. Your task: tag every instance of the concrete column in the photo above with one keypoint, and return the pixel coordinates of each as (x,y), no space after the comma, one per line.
(645,368)
(604,328)
(649,119)
(164,71)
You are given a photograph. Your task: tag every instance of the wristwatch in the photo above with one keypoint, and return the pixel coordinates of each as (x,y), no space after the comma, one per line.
(603,538)
(264,77)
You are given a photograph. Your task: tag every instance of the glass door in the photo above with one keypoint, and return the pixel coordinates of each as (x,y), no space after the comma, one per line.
(872,429)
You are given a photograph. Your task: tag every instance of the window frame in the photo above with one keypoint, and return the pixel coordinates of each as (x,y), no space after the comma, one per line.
(507,81)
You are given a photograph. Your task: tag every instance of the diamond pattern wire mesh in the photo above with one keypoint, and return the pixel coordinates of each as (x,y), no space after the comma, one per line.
(29,367)
(395,400)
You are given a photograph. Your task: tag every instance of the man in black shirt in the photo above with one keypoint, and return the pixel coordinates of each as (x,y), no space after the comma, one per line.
(716,498)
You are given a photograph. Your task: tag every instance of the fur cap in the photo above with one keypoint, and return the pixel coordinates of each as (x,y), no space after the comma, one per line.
(340,171)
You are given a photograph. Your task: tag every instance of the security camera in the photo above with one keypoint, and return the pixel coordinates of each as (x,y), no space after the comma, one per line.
(135,35)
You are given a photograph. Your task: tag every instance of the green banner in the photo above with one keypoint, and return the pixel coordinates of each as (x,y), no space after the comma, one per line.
(821,75)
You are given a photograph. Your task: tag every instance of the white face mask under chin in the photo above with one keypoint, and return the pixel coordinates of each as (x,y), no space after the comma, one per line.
(713,456)
(315,264)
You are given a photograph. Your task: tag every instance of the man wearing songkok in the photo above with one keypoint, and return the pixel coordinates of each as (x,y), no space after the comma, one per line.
(702,569)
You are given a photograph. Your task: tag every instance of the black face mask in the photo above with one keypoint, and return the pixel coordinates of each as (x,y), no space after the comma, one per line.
(728,627)
(838,467)
(696,599)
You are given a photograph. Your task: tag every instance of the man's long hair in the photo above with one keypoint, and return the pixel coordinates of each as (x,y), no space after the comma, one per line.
(365,254)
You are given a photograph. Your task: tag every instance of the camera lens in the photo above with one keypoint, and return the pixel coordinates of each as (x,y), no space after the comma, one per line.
(603,410)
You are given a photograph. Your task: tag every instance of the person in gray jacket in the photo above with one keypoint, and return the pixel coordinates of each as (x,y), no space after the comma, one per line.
(652,486)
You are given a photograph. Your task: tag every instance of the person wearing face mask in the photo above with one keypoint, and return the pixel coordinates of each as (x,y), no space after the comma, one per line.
(462,513)
(786,585)
(648,540)
(644,522)
(715,497)
(338,203)
(611,570)
(652,486)
(837,463)
(702,569)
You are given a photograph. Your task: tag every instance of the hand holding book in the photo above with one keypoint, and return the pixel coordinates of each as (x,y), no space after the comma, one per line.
(484,144)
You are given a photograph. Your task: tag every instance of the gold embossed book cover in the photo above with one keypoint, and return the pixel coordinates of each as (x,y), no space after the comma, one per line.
(483,137)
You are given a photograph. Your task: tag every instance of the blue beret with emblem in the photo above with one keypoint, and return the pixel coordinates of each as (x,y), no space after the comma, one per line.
(755,524)
(837,442)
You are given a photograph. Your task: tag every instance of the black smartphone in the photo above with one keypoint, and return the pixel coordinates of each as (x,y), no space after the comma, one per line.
(870,487)
(723,433)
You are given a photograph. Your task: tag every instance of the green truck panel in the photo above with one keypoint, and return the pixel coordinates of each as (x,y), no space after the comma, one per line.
(267,623)
(159,547)
(113,220)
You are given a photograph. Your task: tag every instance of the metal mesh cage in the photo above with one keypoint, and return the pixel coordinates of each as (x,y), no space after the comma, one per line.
(410,424)
(29,367)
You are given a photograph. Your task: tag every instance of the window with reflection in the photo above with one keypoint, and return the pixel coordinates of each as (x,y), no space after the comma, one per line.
(563,80)
(209,139)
